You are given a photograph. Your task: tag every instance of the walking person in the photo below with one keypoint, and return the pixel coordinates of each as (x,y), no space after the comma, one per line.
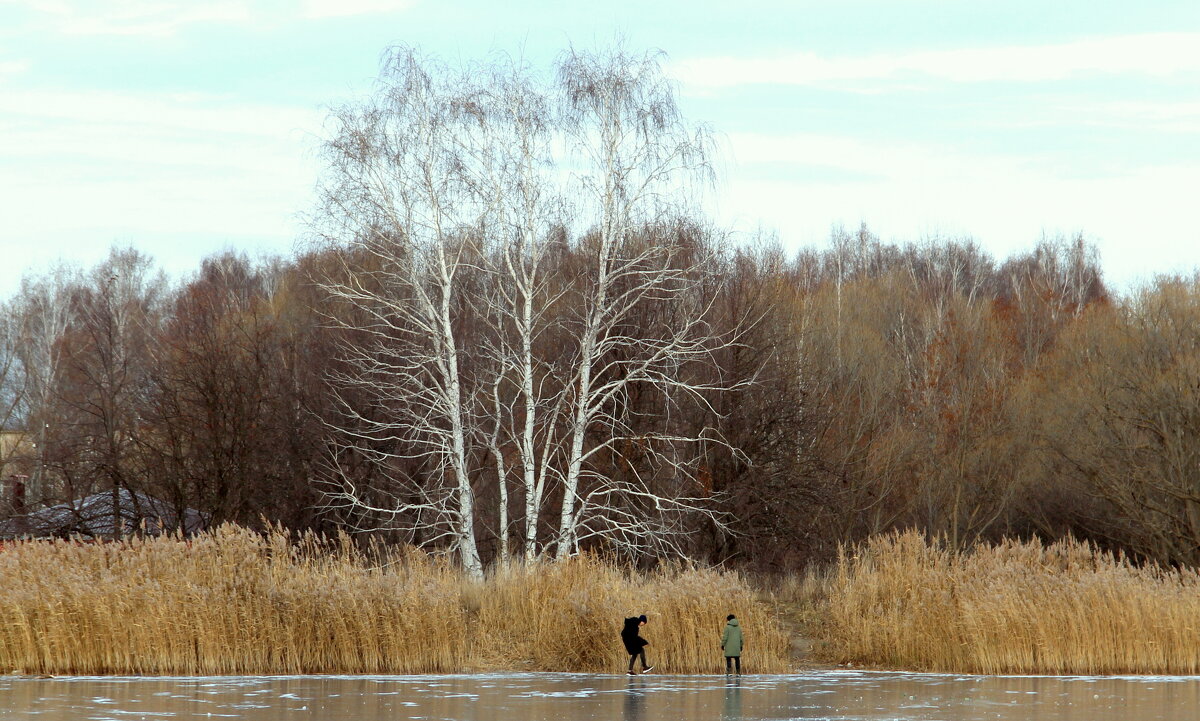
(731,644)
(634,643)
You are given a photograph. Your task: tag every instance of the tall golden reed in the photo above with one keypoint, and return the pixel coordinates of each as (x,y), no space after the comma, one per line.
(568,617)
(236,602)
(1018,607)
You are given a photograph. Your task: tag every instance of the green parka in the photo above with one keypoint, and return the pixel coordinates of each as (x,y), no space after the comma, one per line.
(731,640)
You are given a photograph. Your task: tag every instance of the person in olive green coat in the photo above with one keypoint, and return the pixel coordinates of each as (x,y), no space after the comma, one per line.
(731,643)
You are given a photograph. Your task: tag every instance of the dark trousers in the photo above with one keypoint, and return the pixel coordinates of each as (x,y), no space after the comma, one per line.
(731,661)
(633,656)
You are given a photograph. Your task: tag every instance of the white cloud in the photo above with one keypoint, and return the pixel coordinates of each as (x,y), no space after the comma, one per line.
(162,18)
(193,112)
(1142,116)
(133,17)
(1146,54)
(344,8)
(891,161)
(13,67)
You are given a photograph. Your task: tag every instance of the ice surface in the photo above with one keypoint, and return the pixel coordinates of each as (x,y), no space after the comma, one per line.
(843,694)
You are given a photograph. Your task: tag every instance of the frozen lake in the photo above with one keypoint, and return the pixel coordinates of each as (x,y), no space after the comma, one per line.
(579,697)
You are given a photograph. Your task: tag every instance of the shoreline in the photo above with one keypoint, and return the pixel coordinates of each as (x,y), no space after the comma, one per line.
(799,673)
(236,603)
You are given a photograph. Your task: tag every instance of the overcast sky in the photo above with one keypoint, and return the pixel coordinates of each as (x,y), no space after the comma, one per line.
(183,128)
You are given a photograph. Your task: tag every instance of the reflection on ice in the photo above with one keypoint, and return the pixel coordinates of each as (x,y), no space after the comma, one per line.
(841,694)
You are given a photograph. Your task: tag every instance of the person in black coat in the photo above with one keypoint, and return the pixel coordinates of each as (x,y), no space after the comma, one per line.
(634,643)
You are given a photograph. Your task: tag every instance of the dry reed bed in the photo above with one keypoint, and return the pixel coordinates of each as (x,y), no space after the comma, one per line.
(235,602)
(567,616)
(906,601)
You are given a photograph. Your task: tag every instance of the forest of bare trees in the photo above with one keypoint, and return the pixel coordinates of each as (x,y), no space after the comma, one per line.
(515,335)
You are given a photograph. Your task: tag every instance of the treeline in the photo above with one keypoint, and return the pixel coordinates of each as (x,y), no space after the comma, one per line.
(514,336)
(922,386)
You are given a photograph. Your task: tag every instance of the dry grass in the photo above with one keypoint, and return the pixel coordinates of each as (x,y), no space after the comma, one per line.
(234,602)
(809,588)
(568,616)
(905,601)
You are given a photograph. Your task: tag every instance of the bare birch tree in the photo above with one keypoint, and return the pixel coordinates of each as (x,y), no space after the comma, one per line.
(105,380)
(400,192)
(13,385)
(634,161)
(44,312)
(529,222)
(450,191)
